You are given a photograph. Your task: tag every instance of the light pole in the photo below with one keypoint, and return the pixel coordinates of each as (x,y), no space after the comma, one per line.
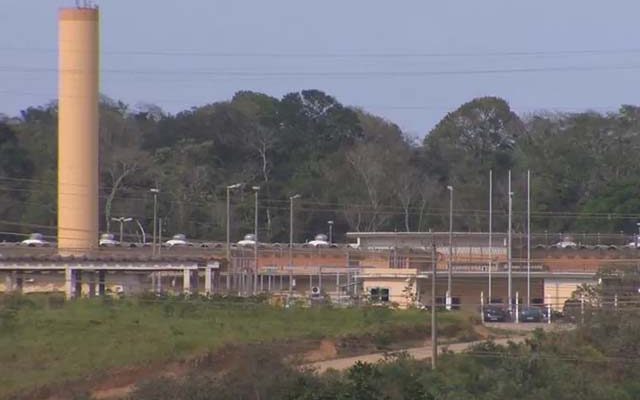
(155,192)
(330,231)
(291,199)
(509,264)
(228,247)
(122,220)
(256,189)
(449,266)
(144,235)
(528,238)
(490,232)
(434,321)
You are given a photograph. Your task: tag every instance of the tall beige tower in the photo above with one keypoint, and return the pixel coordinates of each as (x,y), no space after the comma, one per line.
(78,130)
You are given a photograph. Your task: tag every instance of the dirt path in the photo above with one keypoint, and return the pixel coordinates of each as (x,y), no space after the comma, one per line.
(121,385)
(419,353)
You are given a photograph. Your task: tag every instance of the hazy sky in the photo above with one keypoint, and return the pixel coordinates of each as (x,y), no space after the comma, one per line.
(410,61)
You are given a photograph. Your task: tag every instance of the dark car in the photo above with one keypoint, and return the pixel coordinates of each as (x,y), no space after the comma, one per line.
(495,314)
(531,314)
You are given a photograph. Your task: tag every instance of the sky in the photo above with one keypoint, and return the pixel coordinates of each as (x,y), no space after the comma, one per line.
(410,61)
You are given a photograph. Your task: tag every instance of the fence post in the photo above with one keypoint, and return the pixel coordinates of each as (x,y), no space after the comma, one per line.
(482,306)
(517,310)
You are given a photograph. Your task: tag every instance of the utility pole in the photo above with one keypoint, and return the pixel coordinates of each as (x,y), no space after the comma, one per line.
(330,231)
(509,263)
(434,322)
(528,238)
(490,231)
(291,199)
(449,266)
(155,192)
(159,236)
(255,243)
(228,248)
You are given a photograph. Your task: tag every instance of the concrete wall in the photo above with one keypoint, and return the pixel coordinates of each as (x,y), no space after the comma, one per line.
(558,290)
(469,290)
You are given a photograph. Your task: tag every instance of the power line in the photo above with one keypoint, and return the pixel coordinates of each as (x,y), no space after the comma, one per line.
(332,55)
(142,74)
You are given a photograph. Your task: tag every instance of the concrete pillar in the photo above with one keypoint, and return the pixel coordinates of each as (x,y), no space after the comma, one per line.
(92,284)
(19,282)
(78,206)
(158,287)
(290,279)
(69,283)
(13,282)
(9,282)
(78,282)
(102,284)
(207,281)
(186,281)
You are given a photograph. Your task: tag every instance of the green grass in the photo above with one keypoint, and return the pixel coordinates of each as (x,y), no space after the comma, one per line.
(45,341)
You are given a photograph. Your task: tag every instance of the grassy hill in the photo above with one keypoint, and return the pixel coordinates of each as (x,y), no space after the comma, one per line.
(46,341)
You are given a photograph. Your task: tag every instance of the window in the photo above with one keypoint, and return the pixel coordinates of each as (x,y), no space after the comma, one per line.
(379,294)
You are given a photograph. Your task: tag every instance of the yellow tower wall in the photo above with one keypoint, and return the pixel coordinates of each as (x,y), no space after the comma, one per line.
(78,130)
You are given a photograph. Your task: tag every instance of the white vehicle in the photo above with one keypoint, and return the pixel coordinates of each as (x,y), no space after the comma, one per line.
(35,240)
(566,243)
(320,240)
(635,244)
(177,240)
(248,240)
(108,240)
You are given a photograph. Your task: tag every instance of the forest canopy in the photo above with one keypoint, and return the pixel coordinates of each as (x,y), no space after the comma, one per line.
(349,166)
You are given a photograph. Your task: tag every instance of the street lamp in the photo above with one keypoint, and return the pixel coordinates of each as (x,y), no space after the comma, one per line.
(144,235)
(509,260)
(449,266)
(122,220)
(330,231)
(228,248)
(155,192)
(256,189)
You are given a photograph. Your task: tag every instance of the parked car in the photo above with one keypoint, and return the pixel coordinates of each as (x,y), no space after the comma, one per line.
(320,240)
(635,244)
(566,243)
(495,313)
(572,310)
(108,240)
(248,240)
(531,314)
(177,240)
(35,240)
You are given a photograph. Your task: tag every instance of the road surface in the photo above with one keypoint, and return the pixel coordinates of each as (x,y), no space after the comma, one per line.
(418,353)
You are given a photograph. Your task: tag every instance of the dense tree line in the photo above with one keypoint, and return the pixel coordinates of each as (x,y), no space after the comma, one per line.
(349,166)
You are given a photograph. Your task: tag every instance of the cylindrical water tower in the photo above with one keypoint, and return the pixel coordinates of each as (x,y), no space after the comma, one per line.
(78,130)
